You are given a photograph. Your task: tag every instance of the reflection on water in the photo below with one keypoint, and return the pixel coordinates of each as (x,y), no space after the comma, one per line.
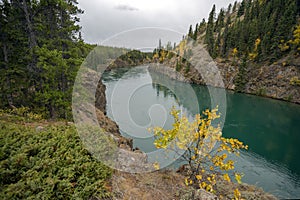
(269,127)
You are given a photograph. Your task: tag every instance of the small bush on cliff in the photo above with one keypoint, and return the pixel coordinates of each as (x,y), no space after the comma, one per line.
(206,151)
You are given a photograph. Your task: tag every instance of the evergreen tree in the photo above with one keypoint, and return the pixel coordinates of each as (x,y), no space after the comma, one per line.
(226,38)
(195,32)
(191,33)
(220,21)
(234,7)
(241,10)
(209,37)
(229,9)
(40,54)
(159,44)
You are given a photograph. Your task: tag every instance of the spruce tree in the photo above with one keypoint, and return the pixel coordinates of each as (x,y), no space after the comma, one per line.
(209,37)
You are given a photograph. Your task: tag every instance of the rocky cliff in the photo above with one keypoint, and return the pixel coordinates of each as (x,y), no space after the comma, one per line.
(278,80)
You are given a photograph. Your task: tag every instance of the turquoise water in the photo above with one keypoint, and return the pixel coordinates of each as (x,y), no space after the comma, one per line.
(137,100)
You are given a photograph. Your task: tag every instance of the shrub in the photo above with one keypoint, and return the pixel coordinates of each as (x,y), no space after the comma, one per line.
(50,164)
(206,151)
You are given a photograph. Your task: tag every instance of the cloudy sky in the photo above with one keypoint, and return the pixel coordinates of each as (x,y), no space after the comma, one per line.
(140,23)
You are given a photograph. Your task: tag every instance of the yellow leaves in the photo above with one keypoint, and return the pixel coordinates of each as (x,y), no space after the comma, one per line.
(207,187)
(202,185)
(283,46)
(234,52)
(188,182)
(238,178)
(155,56)
(254,54)
(197,138)
(185,133)
(198,177)
(163,55)
(296,35)
(237,194)
(182,47)
(156,166)
(257,42)
(295,81)
(226,177)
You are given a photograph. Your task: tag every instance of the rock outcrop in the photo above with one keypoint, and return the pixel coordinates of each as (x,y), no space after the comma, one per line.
(272,81)
(90,115)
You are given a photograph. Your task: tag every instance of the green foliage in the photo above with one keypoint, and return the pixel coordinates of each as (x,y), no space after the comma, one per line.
(133,57)
(22,113)
(50,164)
(191,33)
(269,21)
(209,36)
(178,66)
(241,9)
(195,34)
(40,55)
(241,79)
(198,138)
(187,68)
(261,91)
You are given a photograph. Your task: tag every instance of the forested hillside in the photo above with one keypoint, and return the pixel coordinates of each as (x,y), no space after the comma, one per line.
(254,43)
(258,30)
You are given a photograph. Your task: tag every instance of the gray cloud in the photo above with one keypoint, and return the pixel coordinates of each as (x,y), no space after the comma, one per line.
(125,7)
(103,20)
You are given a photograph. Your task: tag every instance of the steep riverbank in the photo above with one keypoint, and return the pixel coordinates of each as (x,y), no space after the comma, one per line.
(278,80)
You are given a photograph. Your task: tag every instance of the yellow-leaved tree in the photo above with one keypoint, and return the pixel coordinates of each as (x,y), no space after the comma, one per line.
(296,38)
(206,151)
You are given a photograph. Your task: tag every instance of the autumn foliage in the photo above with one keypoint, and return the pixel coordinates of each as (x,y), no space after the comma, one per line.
(206,151)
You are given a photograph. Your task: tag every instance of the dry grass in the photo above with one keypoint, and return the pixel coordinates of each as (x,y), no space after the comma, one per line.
(153,186)
(169,185)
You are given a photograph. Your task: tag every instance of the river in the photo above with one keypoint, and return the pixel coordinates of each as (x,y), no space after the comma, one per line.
(271,128)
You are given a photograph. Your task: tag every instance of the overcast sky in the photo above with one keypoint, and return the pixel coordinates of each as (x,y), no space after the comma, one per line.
(140,23)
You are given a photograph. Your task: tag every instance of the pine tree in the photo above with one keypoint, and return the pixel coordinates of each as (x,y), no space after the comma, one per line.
(40,54)
(241,10)
(229,9)
(159,44)
(220,21)
(234,7)
(191,33)
(196,32)
(209,37)
(226,38)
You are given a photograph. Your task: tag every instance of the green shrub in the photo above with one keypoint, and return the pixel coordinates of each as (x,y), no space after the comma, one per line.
(50,164)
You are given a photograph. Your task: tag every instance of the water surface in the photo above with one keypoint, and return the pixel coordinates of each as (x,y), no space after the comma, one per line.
(270,127)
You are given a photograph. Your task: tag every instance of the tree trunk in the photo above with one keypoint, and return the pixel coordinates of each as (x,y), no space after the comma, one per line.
(8,84)
(32,37)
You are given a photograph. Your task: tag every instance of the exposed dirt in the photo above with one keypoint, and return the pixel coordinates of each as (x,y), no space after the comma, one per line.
(169,185)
